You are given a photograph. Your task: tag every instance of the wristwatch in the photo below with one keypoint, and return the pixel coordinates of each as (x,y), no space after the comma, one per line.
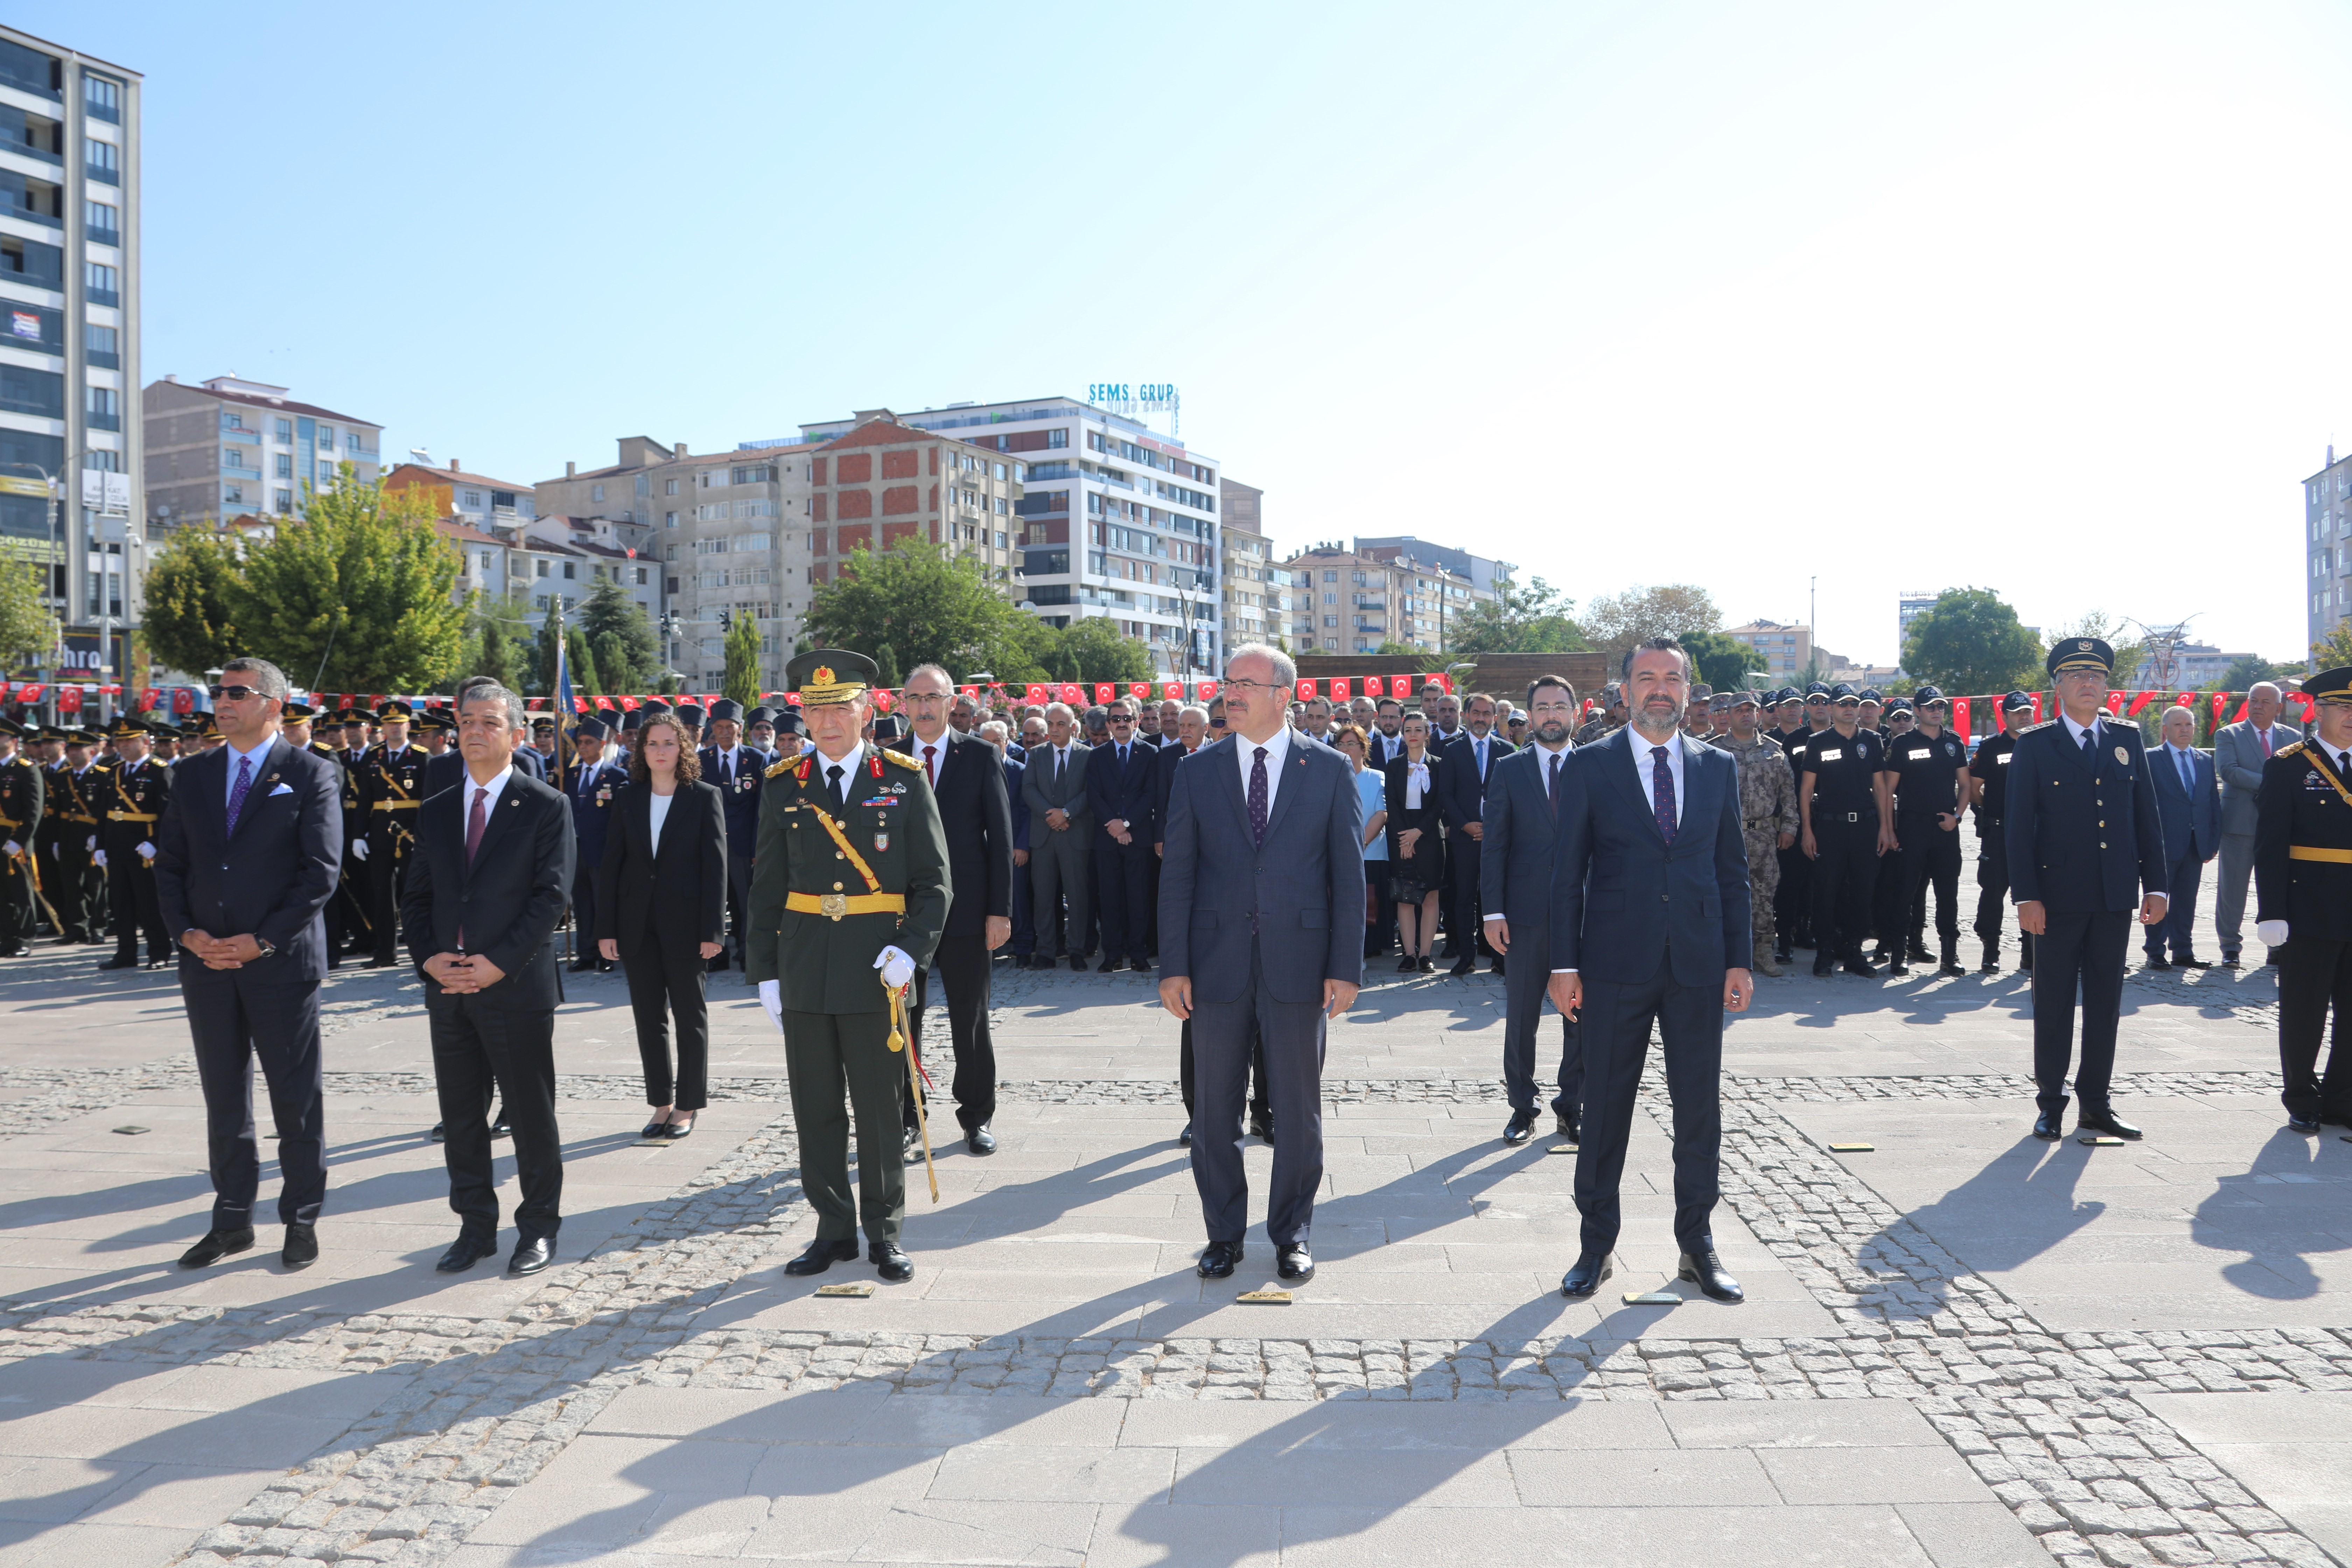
(267,949)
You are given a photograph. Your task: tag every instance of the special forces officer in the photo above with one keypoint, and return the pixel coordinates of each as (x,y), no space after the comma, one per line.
(2303,901)
(2086,850)
(136,790)
(1767,811)
(391,786)
(850,877)
(1928,769)
(1848,824)
(1988,786)
(20,819)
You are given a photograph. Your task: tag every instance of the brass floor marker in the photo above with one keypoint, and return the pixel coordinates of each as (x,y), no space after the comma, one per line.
(1265,1298)
(131,1131)
(1561,1149)
(1853,1148)
(862,1287)
(2100,1142)
(1652,1299)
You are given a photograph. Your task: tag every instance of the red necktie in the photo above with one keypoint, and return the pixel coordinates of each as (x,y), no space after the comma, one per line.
(930,766)
(2264,736)
(474,821)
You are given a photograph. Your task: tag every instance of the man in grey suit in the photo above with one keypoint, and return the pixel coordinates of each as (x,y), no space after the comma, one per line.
(2239,750)
(1061,824)
(2190,800)
(1261,886)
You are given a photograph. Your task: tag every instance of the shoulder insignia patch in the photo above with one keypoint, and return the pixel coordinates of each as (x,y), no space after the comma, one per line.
(2288,750)
(901,758)
(2030,729)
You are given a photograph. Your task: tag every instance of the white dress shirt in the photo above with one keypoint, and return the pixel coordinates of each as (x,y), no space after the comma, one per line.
(1276,751)
(726,763)
(656,812)
(2075,731)
(1416,782)
(2184,765)
(495,787)
(2267,739)
(253,780)
(1645,768)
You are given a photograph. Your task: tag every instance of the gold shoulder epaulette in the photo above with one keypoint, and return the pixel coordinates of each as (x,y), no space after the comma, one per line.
(901,758)
(784,767)
(2288,750)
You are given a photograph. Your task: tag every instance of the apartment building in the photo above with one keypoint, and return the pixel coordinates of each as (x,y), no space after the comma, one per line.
(69,246)
(230,448)
(1120,522)
(2328,547)
(1784,652)
(1484,577)
(507,551)
(1354,600)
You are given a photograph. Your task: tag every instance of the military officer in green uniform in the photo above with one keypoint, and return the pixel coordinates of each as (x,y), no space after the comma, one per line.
(20,820)
(850,877)
(2303,902)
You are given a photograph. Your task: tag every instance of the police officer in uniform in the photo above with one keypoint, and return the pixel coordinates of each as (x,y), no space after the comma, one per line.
(2086,848)
(391,786)
(137,789)
(850,877)
(1988,788)
(1768,810)
(2303,902)
(1929,770)
(1888,922)
(21,804)
(1847,812)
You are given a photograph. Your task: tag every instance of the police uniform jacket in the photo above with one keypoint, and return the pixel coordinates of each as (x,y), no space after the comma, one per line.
(2303,844)
(2084,834)
(1991,765)
(134,799)
(809,933)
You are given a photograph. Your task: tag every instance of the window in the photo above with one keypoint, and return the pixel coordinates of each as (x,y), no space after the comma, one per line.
(1329,577)
(102,160)
(644,484)
(753,474)
(232,495)
(669,519)
(101,99)
(540,573)
(641,576)
(283,502)
(327,436)
(285,465)
(231,457)
(502,501)
(101,282)
(103,406)
(103,222)
(486,562)
(669,488)
(595,492)
(472,499)
(568,572)
(230,421)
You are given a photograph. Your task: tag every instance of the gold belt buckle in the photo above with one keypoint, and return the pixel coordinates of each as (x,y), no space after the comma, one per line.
(833,906)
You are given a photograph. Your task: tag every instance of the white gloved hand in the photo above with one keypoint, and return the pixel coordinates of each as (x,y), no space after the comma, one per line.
(147,851)
(772,997)
(90,843)
(359,847)
(13,847)
(2273,932)
(895,967)
(99,860)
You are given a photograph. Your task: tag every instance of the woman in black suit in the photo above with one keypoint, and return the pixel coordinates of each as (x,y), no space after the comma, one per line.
(661,909)
(1416,842)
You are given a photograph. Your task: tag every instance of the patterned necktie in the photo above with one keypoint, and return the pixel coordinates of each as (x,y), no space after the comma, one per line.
(1552,786)
(1661,791)
(1257,800)
(236,794)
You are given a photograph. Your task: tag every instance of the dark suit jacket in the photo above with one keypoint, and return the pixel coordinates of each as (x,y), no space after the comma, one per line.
(976,815)
(1015,803)
(742,799)
(2192,818)
(443,772)
(1522,841)
(674,897)
(530,760)
(1623,901)
(1303,892)
(2083,835)
(1461,793)
(273,875)
(1163,780)
(509,902)
(594,792)
(1069,795)
(1117,795)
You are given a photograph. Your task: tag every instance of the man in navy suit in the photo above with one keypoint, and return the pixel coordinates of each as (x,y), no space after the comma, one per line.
(1463,769)
(1261,894)
(2086,850)
(735,771)
(1522,838)
(594,782)
(1120,793)
(2189,797)
(246,860)
(1649,924)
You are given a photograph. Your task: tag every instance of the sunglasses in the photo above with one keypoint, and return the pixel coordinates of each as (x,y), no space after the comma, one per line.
(233,693)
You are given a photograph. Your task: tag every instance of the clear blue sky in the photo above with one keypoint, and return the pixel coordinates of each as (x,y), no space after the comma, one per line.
(2043,298)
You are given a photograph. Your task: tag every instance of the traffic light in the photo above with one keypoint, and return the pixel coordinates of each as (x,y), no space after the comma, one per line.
(726,620)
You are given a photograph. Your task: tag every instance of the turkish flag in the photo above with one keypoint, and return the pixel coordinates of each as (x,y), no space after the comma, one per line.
(1339,688)
(147,700)
(2139,701)
(69,698)
(1208,690)
(792,699)
(1960,717)
(2037,706)
(183,699)
(1071,692)
(967,691)
(2221,706)
(1375,686)
(2186,699)
(579,704)
(1139,689)
(2115,702)
(632,552)
(1305,689)
(1036,694)
(1104,690)
(1443,681)
(884,699)
(31,693)
(605,704)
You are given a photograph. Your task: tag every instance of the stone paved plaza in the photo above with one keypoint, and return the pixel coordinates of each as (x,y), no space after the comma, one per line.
(1963,1347)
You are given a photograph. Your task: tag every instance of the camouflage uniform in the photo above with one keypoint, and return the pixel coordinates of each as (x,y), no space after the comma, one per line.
(1767,808)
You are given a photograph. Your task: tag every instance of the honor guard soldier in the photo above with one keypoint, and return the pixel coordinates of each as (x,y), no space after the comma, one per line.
(346,912)
(391,786)
(2303,901)
(1768,810)
(21,802)
(1847,812)
(2086,850)
(1928,768)
(74,806)
(136,791)
(1988,788)
(850,877)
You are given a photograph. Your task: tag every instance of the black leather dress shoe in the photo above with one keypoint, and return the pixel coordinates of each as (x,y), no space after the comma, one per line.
(820,1255)
(1564,1126)
(465,1252)
(2308,1129)
(1496,968)
(1107,966)
(440,1134)
(894,1266)
(1261,1127)
(301,1248)
(2156,961)
(2108,1123)
(1077,964)
(1294,1265)
(1899,967)
(677,1130)
(2230,961)
(1184,1139)
(1951,966)
(215,1246)
(530,1257)
(1140,965)
(502,1128)
(1824,967)
(1521,1128)
(980,1140)
(652,1129)
(15,949)
(1860,965)
(1217,1260)
(582,965)
(2046,1126)
(1583,1279)
(1706,1270)
(1463,965)
(2192,962)
(118,962)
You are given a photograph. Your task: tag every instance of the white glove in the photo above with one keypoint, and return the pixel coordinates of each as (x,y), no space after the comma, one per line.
(90,842)
(101,859)
(146,851)
(897,967)
(772,997)
(13,847)
(2273,932)
(359,847)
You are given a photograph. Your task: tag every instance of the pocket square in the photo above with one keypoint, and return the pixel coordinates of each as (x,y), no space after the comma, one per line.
(283,789)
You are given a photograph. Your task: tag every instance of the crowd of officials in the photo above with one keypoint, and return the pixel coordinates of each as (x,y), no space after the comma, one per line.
(813,846)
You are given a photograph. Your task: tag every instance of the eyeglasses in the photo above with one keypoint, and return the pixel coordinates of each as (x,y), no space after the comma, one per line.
(1216,723)
(235,693)
(1121,718)
(1246,686)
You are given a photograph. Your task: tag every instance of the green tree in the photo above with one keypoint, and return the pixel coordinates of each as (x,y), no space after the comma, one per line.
(612,656)
(494,655)
(741,680)
(1723,662)
(886,665)
(584,672)
(2334,651)
(2131,652)
(1093,649)
(1969,642)
(634,657)
(355,595)
(926,607)
(1614,621)
(187,622)
(28,631)
(2248,670)
(1533,619)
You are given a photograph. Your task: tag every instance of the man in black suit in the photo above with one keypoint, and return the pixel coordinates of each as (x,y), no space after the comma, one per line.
(1463,769)
(246,860)
(492,867)
(968,782)
(594,782)
(735,771)
(1522,839)
(1120,793)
